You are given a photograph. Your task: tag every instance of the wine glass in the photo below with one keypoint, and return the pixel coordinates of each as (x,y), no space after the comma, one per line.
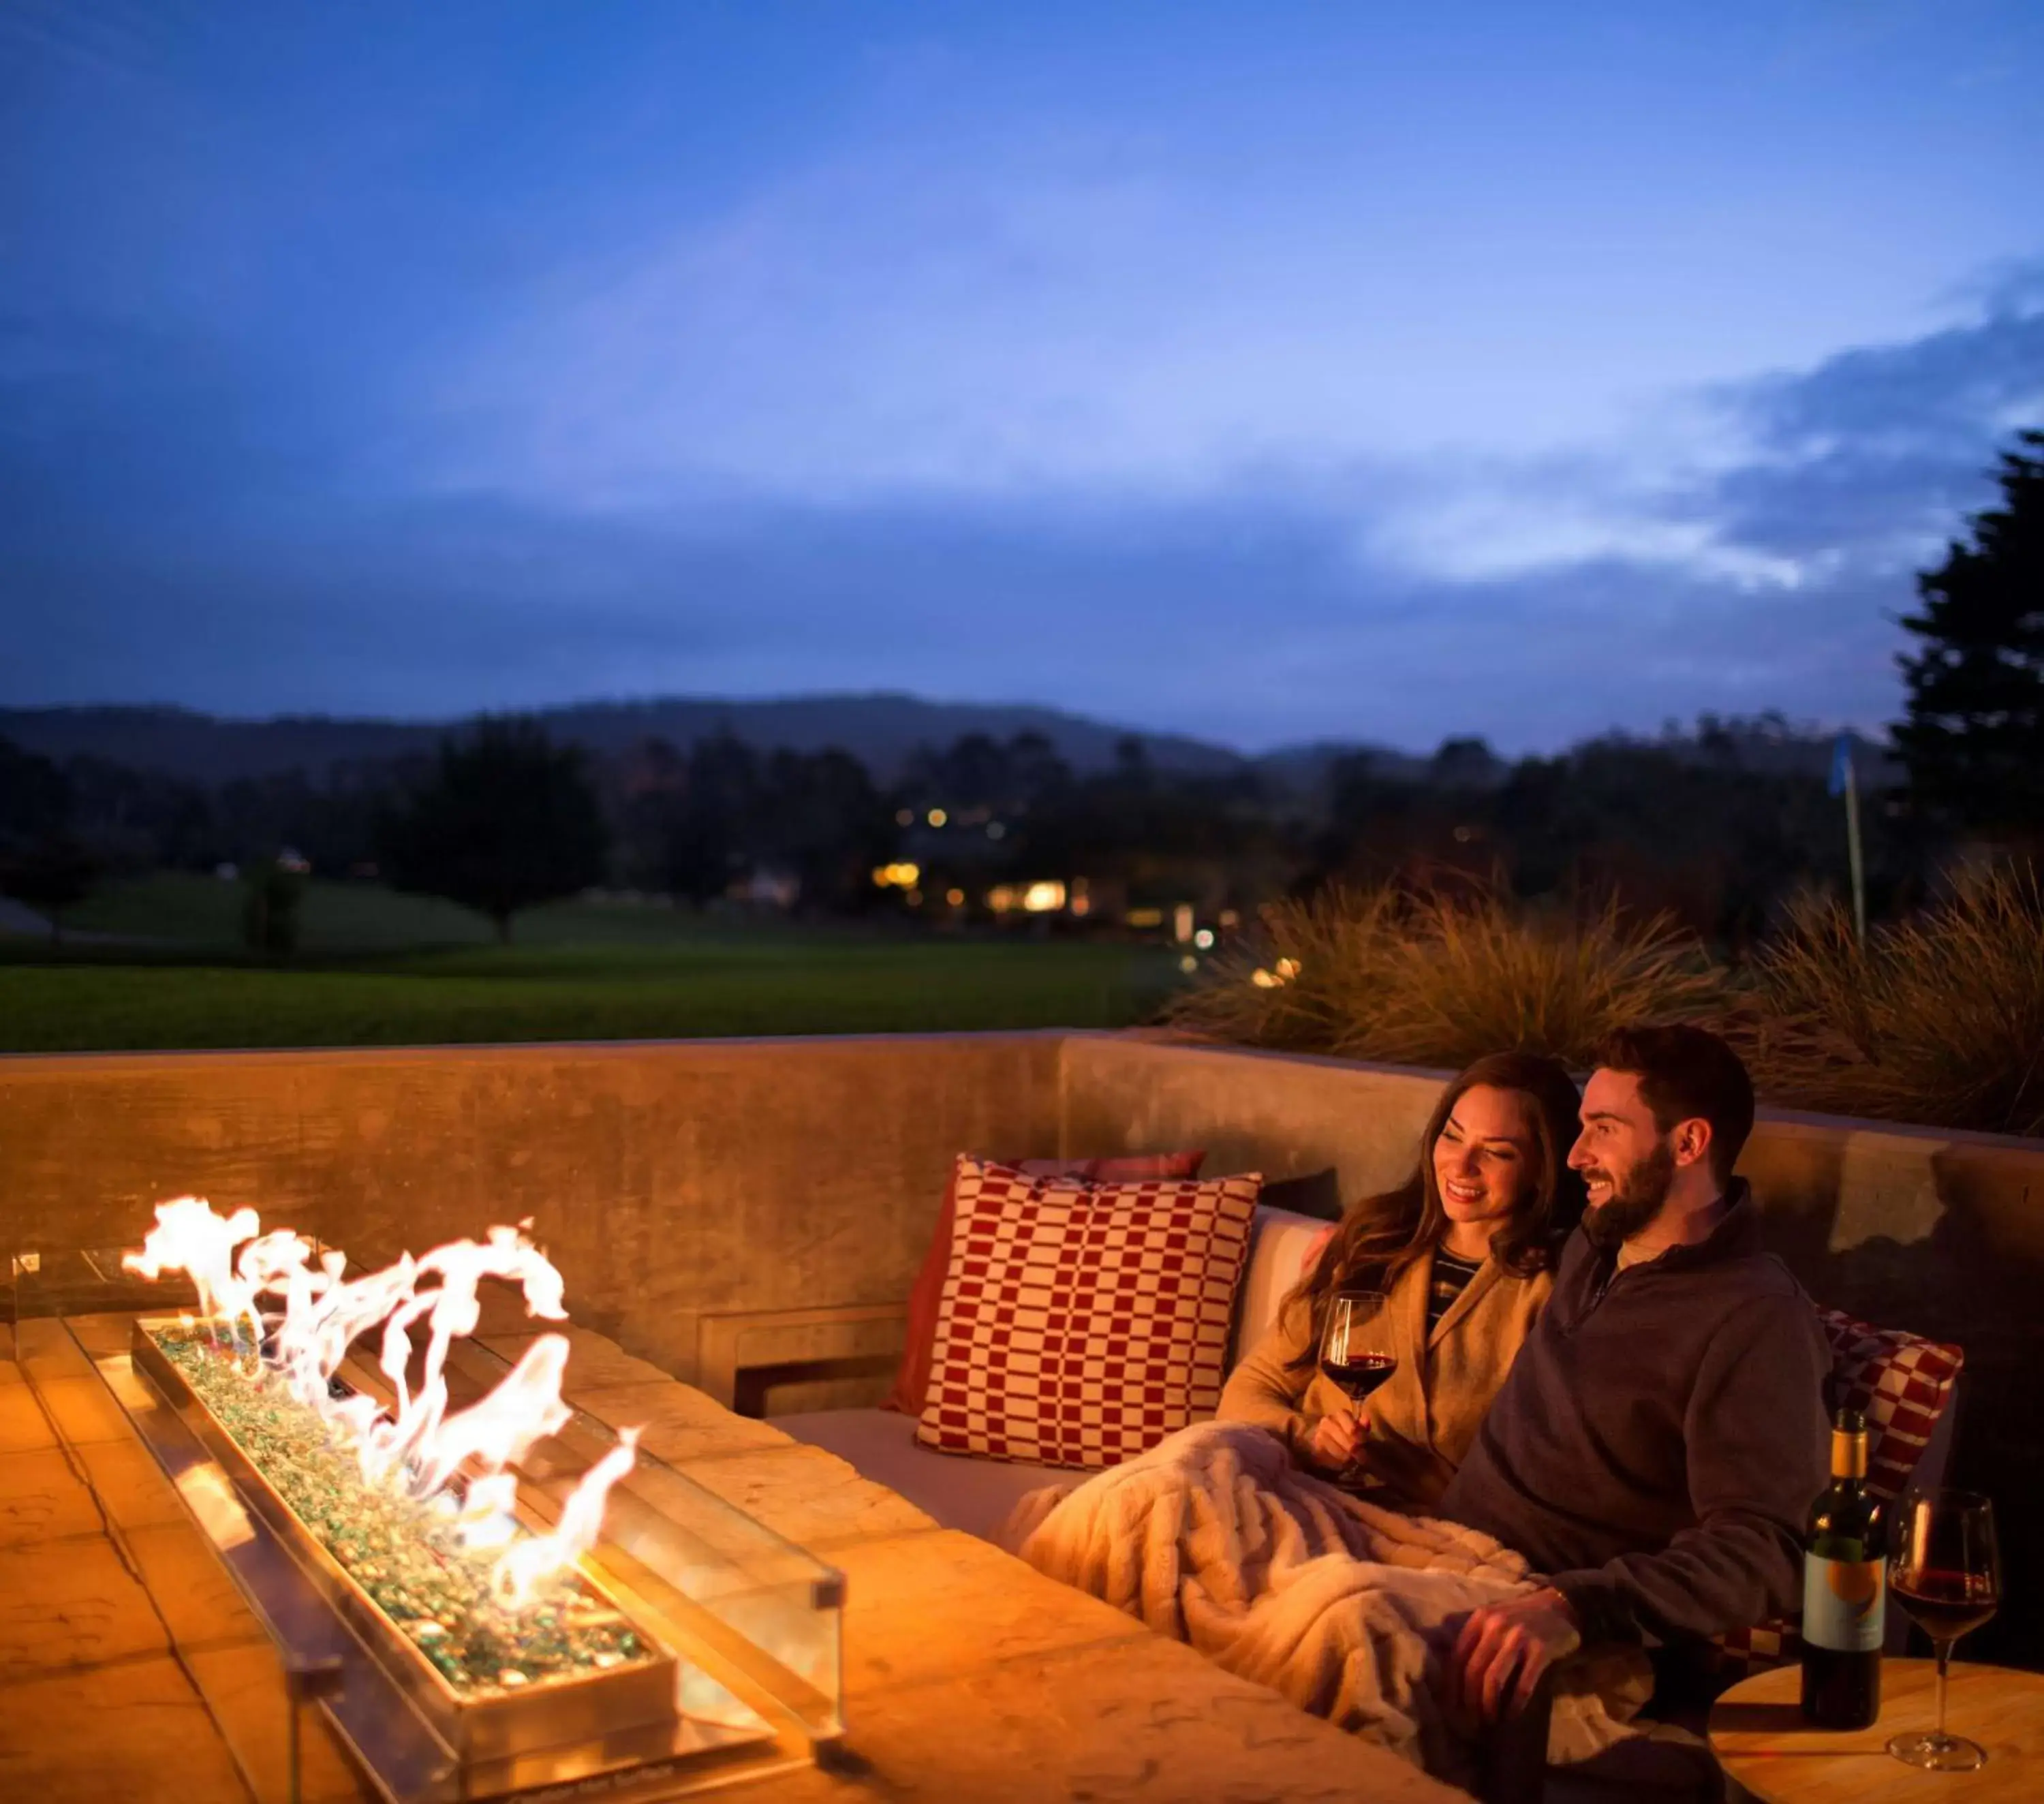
(1945,1570)
(1356,1350)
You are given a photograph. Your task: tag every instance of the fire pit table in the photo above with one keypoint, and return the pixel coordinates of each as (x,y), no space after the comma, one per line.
(526,1603)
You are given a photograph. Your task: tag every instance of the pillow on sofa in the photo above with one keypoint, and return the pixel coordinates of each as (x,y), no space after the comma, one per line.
(1317,1194)
(911,1382)
(1902,1383)
(1081,1323)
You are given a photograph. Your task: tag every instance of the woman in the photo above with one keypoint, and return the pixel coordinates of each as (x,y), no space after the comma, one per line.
(1464,1249)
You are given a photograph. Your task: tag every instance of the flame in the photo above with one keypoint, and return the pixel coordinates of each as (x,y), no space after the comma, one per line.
(530,1560)
(419,1447)
(189,1236)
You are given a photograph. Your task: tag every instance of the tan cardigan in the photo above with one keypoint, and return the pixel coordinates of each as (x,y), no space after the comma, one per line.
(1423,1420)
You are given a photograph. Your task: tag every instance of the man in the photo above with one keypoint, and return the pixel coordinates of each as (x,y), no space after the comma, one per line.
(1662,1434)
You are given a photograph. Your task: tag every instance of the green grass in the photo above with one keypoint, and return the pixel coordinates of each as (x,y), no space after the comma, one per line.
(381,969)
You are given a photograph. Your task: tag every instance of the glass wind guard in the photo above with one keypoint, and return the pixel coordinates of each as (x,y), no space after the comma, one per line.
(746,1623)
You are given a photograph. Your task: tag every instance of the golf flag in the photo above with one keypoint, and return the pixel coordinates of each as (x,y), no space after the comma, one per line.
(1844,783)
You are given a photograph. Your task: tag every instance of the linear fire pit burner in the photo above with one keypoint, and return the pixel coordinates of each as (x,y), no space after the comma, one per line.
(497,1681)
(492,1596)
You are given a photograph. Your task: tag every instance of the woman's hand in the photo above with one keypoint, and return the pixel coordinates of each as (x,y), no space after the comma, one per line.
(1336,1442)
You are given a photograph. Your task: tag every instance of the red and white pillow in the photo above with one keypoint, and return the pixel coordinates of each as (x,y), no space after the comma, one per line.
(911,1382)
(1081,1322)
(1903,1384)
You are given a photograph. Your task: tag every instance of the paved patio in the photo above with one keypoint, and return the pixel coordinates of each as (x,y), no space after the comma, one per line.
(130,1670)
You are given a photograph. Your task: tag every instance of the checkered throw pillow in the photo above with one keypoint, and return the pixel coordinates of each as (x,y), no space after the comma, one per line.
(1902,1383)
(1082,1322)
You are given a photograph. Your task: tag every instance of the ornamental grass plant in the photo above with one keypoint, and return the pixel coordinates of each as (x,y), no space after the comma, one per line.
(1439,977)
(1937,1018)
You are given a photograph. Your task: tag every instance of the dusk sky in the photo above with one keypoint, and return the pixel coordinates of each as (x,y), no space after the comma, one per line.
(1268,372)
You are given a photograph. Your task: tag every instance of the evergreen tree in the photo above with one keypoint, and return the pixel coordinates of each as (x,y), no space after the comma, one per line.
(1973,742)
(506,819)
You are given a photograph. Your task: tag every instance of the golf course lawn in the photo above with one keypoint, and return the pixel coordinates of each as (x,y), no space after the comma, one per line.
(380,969)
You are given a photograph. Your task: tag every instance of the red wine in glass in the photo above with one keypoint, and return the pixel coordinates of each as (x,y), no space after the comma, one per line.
(1356,1349)
(1361,1374)
(1945,1570)
(1946,1605)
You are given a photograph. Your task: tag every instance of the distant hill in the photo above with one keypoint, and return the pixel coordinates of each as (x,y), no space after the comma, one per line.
(881,730)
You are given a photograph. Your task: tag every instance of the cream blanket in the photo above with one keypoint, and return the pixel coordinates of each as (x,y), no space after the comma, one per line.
(1215,1538)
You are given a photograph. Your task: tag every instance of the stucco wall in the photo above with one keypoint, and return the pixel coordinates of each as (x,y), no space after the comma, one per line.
(672,1178)
(1835,1193)
(665,1180)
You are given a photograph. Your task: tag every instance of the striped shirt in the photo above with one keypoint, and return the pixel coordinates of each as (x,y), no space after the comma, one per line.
(1451,1277)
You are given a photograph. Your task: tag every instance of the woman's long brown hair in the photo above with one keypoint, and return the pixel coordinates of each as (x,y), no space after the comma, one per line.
(1382,1235)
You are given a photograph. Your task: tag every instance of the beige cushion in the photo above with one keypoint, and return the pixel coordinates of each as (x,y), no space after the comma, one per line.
(959,1490)
(1280,1244)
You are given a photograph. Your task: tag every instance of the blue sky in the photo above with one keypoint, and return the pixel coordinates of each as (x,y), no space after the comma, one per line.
(1269,373)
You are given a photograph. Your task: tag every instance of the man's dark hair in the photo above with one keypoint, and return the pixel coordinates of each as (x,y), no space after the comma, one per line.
(1687,1072)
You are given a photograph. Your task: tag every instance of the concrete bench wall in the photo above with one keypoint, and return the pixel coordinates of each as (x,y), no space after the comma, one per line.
(682,1180)
(668,1181)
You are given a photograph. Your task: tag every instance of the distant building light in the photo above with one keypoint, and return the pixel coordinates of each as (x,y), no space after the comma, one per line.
(905,817)
(1463,834)
(956,897)
(1182,922)
(1001,898)
(1082,903)
(1189,963)
(1203,939)
(1043,898)
(914,898)
(936,817)
(1145,917)
(996,830)
(896,876)
(1263,980)
(1288,969)
(1229,918)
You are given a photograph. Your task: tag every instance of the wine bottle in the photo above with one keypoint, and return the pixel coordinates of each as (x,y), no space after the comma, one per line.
(1844,1572)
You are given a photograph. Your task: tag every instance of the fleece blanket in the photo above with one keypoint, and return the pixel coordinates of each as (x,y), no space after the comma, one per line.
(1216,1538)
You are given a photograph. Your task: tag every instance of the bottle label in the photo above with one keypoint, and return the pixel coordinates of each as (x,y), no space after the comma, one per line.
(1842,1604)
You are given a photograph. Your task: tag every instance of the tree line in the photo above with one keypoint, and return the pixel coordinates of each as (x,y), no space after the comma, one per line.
(1719,825)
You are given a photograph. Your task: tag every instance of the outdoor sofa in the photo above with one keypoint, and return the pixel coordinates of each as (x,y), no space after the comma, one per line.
(1907,1385)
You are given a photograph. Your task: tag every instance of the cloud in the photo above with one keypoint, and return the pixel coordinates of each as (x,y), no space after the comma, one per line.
(1859,465)
(1051,326)
(186,518)
(1058,313)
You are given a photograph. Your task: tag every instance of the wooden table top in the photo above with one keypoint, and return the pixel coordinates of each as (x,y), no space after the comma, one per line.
(1760,1738)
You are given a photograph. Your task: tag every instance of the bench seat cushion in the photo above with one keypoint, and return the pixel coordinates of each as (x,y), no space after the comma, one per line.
(959,1492)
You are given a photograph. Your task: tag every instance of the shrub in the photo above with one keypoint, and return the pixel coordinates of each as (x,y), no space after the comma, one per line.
(1937,1018)
(1440,977)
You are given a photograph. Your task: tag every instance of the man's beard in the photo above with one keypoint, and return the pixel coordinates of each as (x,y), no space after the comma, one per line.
(1633,1202)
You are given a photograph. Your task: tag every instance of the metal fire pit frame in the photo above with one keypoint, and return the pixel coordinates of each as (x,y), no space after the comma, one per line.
(483,1729)
(767,1718)
(754,1621)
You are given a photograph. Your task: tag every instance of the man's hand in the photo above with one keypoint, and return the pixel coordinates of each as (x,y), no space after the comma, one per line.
(1503,1651)
(1336,1441)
